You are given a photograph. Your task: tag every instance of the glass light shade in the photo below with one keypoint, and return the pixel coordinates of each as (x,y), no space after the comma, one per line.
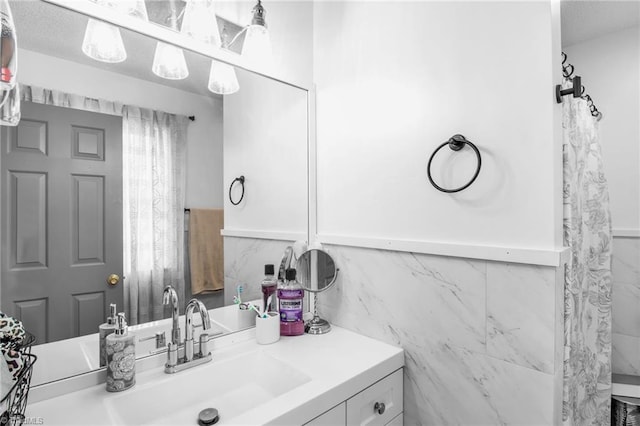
(222,79)
(8,48)
(136,8)
(199,21)
(169,62)
(10,106)
(103,42)
(256,50)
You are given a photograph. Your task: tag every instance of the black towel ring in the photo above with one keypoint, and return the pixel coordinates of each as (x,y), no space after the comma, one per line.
(456,143)
(241,180)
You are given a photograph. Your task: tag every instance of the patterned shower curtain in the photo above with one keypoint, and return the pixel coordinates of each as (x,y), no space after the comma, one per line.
(587,232)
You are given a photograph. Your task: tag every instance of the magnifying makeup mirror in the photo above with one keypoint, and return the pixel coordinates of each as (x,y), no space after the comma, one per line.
(316,272)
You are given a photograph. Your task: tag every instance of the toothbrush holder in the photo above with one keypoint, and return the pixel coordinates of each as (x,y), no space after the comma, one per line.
(246,317)
(268,329)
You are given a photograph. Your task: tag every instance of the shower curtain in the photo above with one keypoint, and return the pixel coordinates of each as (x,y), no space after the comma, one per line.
(587,232)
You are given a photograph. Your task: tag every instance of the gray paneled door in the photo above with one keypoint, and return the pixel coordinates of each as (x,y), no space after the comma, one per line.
(61,220)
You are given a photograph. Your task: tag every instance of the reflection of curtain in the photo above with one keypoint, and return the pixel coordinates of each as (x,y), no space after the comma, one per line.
(587,232)
(62,99)
(154,180)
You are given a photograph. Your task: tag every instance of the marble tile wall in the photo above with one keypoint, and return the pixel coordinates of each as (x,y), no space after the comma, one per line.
(480,337)
(244,260)
(626,306)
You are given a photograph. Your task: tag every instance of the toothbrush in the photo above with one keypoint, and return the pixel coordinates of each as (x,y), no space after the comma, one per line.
(266,308)
(252,306)
(239,290)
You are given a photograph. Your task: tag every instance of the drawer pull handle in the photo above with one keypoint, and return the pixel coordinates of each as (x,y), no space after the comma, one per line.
(379,407)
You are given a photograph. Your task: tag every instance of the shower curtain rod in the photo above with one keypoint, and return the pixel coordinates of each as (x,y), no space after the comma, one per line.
(567,72)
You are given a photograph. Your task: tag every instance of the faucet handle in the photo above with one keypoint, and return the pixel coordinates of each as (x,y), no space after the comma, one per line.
(160,338)
(172,355)
(204,349)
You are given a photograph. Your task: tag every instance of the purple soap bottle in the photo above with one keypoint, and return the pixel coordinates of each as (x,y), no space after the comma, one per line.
(290,296)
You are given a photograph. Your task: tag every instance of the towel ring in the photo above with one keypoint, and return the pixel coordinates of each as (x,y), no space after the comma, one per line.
(456,143)
(241,180)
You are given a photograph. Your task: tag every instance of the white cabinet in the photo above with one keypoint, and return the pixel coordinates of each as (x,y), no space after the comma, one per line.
(397,421)
(377,405)
(336,416)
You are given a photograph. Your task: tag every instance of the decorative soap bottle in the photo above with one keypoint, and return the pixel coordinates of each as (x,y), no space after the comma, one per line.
(269,286)
(290,296)
(8,48)
(104,330)
(121,357)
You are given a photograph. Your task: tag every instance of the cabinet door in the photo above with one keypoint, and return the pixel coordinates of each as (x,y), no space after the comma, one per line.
(337,416)
(378,404)
(397,421)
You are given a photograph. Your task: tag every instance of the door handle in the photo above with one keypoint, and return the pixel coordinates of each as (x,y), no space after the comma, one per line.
(113,279)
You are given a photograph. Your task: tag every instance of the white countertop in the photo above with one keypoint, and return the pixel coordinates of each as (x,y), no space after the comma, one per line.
(80,354)
(330,368)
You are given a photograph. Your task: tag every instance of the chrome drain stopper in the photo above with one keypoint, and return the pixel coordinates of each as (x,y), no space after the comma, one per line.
(208,416)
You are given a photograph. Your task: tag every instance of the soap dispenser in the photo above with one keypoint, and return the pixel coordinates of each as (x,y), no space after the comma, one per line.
(104,330)
(121,357)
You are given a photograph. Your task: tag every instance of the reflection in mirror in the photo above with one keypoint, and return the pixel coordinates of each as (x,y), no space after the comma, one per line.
(62,233)
(316,272)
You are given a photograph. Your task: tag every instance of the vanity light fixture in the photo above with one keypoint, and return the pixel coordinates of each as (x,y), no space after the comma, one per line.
(103,42)
(222,77)
(168,60)
(199,21)
(135,8)
(256,50)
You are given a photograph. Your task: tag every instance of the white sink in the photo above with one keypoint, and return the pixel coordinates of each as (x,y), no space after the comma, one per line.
(232,386)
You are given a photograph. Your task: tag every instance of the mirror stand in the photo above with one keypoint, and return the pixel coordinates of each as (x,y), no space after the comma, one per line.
(317,325)
(317,272)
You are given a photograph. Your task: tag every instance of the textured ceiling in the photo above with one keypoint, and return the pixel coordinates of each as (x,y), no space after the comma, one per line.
(584,19)
(54,31)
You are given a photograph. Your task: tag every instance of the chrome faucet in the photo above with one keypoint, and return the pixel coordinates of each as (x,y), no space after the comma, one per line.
(188,328)
(170,296)
(176,363)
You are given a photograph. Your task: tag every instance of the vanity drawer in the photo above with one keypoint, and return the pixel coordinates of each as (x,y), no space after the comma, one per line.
(334,417)
(378,404)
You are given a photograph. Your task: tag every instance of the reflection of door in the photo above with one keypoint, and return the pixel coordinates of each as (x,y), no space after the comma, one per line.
(61,219)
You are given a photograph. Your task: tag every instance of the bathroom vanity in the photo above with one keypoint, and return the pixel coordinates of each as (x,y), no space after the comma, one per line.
(340,378)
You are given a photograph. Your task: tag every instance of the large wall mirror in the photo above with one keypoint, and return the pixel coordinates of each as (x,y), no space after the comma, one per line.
(70,183)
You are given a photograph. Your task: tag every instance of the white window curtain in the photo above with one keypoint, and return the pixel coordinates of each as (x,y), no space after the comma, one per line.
(153,208)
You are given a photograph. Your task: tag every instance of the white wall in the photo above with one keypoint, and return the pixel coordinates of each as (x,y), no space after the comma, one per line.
(482,339)
(609,67)
(397,79)
(204,145)
(265,139)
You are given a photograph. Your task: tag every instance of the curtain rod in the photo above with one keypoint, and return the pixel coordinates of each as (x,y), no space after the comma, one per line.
(567,72)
